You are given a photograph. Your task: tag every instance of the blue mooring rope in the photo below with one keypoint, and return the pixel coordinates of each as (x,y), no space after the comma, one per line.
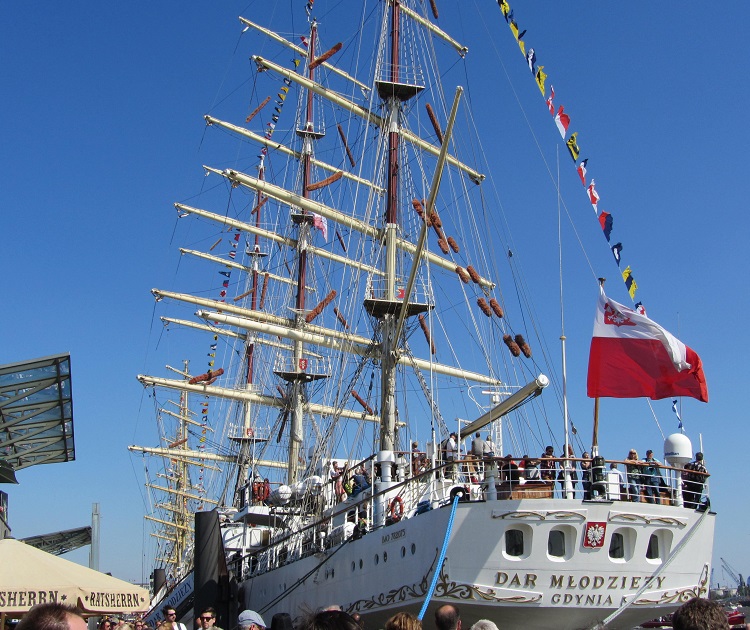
(439,564)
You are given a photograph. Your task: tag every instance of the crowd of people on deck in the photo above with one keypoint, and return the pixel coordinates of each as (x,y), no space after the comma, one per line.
(642,480)
(696,614)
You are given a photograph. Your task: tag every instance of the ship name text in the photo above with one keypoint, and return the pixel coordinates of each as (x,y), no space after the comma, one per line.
(393,536)
(585,582)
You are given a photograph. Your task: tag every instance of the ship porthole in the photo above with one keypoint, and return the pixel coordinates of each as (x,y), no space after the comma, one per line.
(403,552)
(385,556)
(377,558)
(354,565)
(413,549)
(360,563)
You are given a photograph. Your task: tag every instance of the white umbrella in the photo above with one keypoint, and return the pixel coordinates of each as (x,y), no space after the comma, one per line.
(29,576)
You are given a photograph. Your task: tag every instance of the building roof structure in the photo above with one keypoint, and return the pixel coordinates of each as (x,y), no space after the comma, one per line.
(36,413)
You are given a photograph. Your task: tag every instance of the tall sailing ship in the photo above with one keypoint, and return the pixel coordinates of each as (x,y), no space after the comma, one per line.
(367,304)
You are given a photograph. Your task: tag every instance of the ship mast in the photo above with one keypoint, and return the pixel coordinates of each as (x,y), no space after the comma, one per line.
(177,531)
(182,515)
(388,383)
(247,437)
(296,374)
(393,91)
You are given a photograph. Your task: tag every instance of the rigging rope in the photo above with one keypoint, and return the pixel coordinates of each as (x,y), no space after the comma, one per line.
(426,390)
(439,564)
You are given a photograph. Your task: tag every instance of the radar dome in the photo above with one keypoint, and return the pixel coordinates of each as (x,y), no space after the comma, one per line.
(678,450)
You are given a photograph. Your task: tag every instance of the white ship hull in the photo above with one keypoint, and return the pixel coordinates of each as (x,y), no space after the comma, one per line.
(390,570)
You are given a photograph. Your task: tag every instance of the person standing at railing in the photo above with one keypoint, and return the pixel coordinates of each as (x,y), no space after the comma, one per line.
(415,467)
(451,455)
(477,446)
(620,489)
(509,471)
(692,484)
(633,471)
(548,467)
(360,481)
(568,467)
(586,475)
(651,477)
(489,448)
(474,462)
(338,476)
(531,470)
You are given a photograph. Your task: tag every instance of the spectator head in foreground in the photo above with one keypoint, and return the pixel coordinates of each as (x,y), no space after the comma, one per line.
(447,618)
(700,614)
(52,616)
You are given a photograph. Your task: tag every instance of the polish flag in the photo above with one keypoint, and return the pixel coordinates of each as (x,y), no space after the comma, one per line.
(632,356)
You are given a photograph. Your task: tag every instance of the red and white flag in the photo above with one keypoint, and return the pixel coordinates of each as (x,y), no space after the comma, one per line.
(593,195)
(632,356)
(562,120)
(582,170)
(550,104)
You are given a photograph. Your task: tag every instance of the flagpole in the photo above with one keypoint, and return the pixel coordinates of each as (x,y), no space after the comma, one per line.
(595,436)
(567,482)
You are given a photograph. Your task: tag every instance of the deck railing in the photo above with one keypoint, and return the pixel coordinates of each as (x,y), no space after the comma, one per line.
(475,480)
(579,478)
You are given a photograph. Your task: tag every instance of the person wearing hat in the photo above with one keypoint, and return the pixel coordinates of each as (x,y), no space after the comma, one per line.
(250,620)
(692,483)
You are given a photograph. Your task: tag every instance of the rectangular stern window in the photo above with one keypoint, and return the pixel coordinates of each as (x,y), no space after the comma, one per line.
(617,546)
(556,543)
(514,542)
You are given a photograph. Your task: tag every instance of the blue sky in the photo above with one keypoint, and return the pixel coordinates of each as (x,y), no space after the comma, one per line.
(102,107)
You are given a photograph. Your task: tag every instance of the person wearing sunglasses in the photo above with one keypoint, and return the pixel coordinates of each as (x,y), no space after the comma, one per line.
(170,616)
(207,620)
